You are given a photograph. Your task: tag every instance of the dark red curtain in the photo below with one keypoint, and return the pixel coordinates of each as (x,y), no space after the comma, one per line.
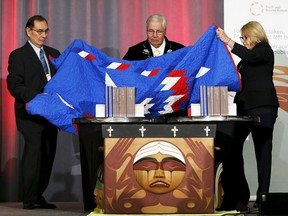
(111,25)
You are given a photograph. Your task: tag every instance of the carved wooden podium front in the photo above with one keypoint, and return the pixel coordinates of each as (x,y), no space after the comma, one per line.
(158,168)
(185,133)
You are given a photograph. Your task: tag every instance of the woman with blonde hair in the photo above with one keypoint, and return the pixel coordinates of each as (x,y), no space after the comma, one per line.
(258,97)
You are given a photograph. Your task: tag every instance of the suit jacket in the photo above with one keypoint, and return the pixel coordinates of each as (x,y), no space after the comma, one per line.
(256,69)
(27,78)
(143,50)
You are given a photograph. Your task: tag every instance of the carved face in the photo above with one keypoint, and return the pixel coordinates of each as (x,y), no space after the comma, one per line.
(159,172)
(99,197)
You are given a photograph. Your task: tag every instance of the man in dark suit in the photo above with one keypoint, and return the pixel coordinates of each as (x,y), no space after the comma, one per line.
(27,78)
(156,44)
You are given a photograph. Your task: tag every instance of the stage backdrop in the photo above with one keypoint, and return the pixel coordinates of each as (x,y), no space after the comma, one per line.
(272,15)
(110,25)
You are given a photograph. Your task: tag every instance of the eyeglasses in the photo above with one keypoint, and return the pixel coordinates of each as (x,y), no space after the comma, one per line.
(41,31)
(158,32)
(243,38)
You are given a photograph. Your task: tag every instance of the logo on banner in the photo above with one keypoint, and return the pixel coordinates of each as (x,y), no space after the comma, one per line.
(256,8)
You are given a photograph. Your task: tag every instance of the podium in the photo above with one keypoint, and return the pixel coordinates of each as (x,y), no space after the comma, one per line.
(158,168)
(91,145)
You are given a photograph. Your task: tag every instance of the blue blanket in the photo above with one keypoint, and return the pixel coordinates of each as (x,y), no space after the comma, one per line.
(164,84)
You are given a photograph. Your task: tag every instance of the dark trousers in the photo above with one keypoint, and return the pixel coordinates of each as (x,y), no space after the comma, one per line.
(234,182)
(262,138)
(38,157)
(262,135)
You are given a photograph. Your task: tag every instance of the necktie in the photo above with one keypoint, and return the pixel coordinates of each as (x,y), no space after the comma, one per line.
(43,62)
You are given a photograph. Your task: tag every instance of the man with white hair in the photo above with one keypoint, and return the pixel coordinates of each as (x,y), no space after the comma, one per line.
(156,43)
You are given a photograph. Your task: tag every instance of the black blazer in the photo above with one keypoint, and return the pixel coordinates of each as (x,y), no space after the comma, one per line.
(256,69)
(143,50)
(27,78)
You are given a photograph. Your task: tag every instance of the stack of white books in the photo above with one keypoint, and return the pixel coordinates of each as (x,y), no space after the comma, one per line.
(119,102)
(214,101)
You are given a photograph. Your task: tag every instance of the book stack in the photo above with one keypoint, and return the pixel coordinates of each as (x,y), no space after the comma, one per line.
(119,101)
(213,100)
